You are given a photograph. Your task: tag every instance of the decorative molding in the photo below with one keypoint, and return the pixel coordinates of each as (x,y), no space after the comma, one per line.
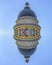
(22,36)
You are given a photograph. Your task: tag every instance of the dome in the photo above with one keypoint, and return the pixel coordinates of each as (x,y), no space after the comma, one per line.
(27,52)
(27,11)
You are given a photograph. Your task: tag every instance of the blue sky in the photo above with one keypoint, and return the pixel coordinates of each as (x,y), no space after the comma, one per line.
(9,54)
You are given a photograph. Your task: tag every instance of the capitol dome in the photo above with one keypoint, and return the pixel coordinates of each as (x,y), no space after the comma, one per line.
(27,11)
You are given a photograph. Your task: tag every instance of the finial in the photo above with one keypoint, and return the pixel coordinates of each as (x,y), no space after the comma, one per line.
(26,4)
(27,59)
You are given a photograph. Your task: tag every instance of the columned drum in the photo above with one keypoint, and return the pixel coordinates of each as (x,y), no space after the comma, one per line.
(27,32)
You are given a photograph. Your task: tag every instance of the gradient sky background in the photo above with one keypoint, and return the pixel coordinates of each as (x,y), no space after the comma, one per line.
(9,54)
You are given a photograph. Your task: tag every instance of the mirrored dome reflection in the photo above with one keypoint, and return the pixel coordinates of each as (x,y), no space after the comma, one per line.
(27,33)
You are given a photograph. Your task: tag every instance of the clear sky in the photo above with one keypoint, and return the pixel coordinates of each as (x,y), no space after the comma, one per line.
(9,54)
